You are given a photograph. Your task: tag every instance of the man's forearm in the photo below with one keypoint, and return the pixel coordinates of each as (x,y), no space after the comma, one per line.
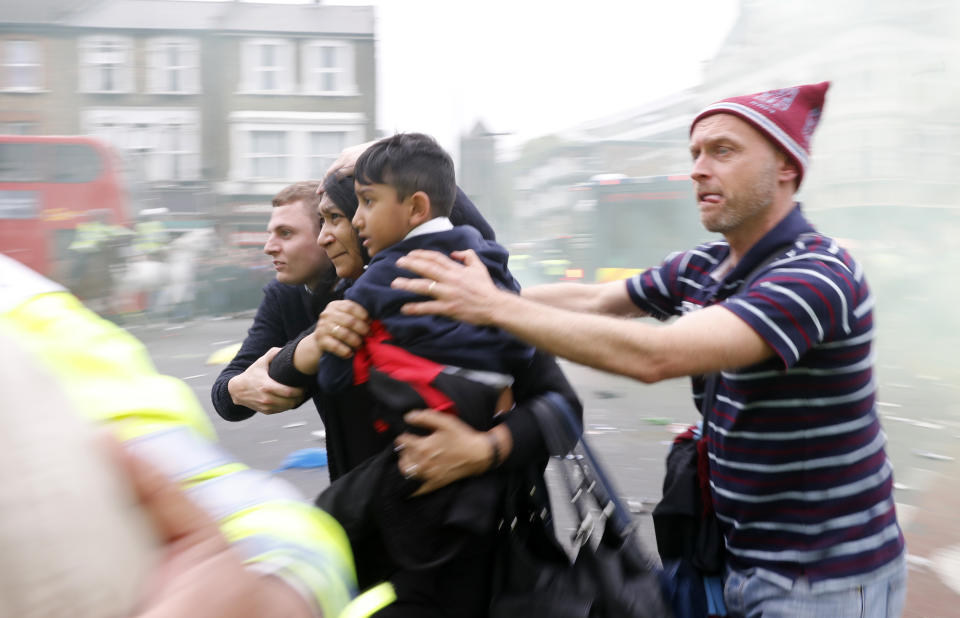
(602,342)
(712,339)
(608,298)
(572,296)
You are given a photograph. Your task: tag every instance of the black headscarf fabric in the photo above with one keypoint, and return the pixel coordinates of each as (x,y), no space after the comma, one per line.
(341,191)
(465,213)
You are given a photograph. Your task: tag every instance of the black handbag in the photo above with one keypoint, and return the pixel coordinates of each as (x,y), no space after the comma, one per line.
(611,575)
(684,523)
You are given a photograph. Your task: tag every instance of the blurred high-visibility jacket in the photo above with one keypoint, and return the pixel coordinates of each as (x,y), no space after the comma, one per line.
(108,376)
(91,235)
(150,236)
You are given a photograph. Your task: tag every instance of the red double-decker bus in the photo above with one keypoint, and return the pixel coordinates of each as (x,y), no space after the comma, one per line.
(49,185)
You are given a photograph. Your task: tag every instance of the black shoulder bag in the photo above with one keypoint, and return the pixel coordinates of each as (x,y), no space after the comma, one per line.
(611,576)
(687,530)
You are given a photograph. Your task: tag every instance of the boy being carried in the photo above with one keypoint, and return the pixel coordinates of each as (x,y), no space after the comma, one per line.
(406,187)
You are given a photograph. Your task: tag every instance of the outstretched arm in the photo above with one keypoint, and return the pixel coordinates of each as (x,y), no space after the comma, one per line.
(608,298)
(705,341)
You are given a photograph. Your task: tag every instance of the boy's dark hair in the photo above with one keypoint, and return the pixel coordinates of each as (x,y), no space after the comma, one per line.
(411,162)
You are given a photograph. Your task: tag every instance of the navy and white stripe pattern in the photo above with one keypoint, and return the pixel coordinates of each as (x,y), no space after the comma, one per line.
(799,474)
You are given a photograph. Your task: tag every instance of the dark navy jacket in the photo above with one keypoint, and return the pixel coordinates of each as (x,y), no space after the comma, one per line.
(436,338)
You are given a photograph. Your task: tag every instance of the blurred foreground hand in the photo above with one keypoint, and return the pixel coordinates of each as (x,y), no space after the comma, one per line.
(198,574)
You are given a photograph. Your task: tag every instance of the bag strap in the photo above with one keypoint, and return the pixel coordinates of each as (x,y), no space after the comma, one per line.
(711,379)
(564,439)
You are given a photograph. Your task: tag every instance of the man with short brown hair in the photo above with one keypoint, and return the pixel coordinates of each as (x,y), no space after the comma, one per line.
(290,305)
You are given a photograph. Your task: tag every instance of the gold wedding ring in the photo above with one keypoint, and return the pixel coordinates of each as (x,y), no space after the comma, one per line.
(430,287)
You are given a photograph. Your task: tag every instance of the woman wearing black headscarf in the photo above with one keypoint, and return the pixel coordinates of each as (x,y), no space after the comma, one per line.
(452,451)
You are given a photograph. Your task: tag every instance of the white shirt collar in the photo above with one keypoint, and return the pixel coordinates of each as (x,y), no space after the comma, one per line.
(439,224)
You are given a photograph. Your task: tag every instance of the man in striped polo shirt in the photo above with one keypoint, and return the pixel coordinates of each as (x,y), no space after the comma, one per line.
(799,477)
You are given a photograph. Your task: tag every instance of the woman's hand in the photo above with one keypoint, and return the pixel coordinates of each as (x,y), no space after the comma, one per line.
(347,159)
(341,328)
(452,451)
(339,331)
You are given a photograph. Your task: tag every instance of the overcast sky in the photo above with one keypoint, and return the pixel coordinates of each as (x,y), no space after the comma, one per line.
(530,67)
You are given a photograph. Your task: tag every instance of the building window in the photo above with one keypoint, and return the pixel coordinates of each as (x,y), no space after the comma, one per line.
(160,145)
(268,154)
(267,66)
(106,64)
(328,68)
(19,128)
(173,66)
(175,157)
(324,148)
(22,68)
(272,146)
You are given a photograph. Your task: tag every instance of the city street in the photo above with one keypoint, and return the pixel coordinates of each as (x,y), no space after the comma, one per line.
(629,424)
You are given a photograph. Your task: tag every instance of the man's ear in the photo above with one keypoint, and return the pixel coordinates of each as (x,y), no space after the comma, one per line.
(787,170)
(420,211)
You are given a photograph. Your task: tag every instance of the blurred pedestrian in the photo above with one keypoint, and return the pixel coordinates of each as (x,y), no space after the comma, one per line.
(799,477)
(96,251)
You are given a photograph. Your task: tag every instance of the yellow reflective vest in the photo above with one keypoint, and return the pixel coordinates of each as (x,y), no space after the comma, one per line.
(90,235)
(108,376)
(150,236)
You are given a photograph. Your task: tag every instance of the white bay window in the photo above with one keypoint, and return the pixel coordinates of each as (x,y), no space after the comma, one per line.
(22,65)
(267,66)
(173,66)
(328,68)
(158,144)
(278,148)
(106,64)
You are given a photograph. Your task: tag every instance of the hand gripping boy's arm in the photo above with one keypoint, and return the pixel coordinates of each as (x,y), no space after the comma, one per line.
(244,388)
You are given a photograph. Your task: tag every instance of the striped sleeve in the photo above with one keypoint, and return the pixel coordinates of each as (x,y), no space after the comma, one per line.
(662,291)
(800,302)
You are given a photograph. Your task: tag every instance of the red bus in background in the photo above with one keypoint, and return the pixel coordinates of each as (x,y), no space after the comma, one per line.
(48,185)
